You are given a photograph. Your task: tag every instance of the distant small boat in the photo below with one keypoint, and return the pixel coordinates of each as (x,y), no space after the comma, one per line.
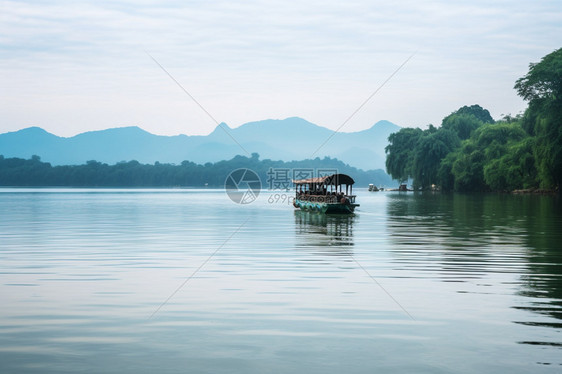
(325,194)
(373,188)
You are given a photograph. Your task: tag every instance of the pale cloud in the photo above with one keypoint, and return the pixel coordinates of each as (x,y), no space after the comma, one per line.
(76,66)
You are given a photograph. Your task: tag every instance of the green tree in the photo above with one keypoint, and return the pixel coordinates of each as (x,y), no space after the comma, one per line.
(461,124)
(542,87)
(497,156)
(433,147)
(400,153)
(33,172)
(544,79)
(481,114)
(445,177)
(467,168)
(514,170)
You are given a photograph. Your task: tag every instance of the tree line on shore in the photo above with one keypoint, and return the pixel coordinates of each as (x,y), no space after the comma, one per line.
(273,174)
(472,152)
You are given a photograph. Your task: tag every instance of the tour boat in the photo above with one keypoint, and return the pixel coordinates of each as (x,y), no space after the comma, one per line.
(325,194)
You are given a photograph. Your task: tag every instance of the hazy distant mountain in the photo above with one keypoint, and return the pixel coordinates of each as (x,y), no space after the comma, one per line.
(289,139)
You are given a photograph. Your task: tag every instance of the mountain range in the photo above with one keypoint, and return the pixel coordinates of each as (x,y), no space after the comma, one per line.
(288,139)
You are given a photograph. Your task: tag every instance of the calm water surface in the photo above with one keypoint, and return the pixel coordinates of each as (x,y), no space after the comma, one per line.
(102,281)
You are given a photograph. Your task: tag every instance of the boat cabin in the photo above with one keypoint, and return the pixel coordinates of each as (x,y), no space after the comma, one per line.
(331,189)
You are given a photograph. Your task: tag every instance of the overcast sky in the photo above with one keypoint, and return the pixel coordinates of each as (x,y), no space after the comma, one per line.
(75,66)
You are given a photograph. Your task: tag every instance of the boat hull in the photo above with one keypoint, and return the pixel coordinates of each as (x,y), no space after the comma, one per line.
(325,208)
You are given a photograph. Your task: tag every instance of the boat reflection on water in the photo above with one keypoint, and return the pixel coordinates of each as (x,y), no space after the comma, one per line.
(325,232)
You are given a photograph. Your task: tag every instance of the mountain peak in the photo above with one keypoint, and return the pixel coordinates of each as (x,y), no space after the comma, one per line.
(385,124)
(31,133)
(31,130)
(221,127)
(125,130)
(287,124)
(291,138)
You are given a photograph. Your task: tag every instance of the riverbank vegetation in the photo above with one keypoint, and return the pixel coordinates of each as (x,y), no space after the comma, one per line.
(472,152)
(17,172)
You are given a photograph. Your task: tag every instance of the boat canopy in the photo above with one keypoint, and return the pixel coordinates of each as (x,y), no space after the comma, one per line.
(328,180)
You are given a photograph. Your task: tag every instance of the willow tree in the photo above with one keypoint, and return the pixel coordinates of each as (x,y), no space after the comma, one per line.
(431,149)
(542,87)
(400,153)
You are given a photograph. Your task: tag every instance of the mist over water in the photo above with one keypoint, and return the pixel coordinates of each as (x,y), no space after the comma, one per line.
(143,281)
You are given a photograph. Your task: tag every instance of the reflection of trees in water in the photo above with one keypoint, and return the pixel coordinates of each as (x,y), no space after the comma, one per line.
(543,280)
(466,236)
(324,232)
(458,237)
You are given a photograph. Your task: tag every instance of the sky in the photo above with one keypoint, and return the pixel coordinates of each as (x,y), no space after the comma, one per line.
(76,66)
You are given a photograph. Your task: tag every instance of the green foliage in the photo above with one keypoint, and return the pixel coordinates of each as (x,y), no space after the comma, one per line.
(400,153)
(491,136)
(466,119)
(433,146)
(461,124)
(548,150)
(514,170)
(544,79)
(496,157)
(33,172)
(422,155)
(467,168)
(542,87)
(516,152)
(445,177)
(481,114)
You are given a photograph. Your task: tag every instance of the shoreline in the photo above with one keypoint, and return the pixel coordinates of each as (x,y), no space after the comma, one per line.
(534,191)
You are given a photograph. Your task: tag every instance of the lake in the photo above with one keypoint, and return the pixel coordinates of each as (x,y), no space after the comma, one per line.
(145,281)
